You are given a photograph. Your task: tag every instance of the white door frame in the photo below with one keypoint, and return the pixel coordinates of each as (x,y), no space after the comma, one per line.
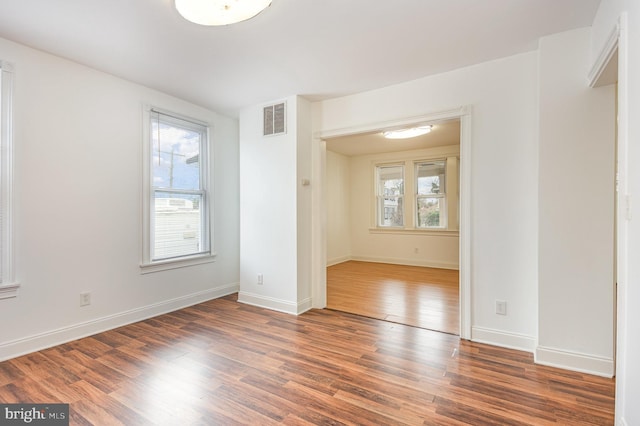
(617,43)
(319,249)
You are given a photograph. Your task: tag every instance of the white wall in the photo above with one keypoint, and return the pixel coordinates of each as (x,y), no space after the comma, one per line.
(275,210)
(303,183)
(628,348)
(576,209)
(503,97)
(388,246)
(338,187)
(77,136)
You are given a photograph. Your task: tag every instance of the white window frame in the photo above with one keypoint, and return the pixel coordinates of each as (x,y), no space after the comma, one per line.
(442,195)
(410,163)
(148,264)
(8,285)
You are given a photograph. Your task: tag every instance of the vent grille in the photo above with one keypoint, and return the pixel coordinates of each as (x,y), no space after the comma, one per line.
(274,120)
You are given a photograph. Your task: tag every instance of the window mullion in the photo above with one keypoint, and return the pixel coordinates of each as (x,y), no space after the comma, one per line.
(179,191)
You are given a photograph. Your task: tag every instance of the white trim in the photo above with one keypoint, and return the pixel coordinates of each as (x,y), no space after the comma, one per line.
(604,57)
(407,262)
(318,225)
(181,117)
(8,291)
(432,232)
(518,341)
(147,265)
(8,285)
(574,361)
(274,304)
(62,335)
(465,227)
(165,265)
(338,260)
(6,66)
(462,113)
(622,221)
(617,42)
(145,179)
(304,305)
(399,122)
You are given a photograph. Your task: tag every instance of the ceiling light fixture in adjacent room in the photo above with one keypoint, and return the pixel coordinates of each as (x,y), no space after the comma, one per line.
(407,133)
(220,12)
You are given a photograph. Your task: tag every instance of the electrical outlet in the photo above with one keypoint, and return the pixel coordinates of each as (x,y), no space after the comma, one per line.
(260,279)
(501,307)
(85,299)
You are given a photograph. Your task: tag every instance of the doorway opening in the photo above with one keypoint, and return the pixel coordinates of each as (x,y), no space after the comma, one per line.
(424,270)
(610,70)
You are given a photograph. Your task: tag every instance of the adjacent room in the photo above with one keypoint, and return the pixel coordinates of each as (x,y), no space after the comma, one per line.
(201,221)
(392,225)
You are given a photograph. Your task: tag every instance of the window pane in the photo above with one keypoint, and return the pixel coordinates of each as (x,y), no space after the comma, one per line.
(177,225)
(390,192)
(391,211)
(430,212)
(391,180)
(176,154)
(431,178)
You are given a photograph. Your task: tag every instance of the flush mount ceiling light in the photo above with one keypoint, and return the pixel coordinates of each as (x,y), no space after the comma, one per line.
(407,133)
(220,12)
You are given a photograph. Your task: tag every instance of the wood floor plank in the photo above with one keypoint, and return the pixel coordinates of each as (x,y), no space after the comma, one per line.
(204,365)
(411,295)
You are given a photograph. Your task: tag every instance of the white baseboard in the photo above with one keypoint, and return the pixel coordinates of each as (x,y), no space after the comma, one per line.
(521,342)
(274,304)
(574,361)
(407,262)
(337,260)
(304,306)
(48,339)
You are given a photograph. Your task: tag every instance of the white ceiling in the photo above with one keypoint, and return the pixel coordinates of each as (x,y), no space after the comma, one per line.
(443,133)
(316,48)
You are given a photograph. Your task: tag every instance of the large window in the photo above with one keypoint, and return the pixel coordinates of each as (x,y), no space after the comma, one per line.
(178,198)
(431,209)
(8,287)
(417,194)
(390,194)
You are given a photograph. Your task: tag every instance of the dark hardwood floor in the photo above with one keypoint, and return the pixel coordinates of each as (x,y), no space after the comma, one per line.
(225,363)
(411,295)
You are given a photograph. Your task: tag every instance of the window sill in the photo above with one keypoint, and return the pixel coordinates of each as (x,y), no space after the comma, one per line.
(415,231)
(8,291)
(165,265)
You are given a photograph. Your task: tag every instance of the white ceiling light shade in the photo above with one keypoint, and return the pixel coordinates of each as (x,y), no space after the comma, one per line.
(407,133)
(220,12)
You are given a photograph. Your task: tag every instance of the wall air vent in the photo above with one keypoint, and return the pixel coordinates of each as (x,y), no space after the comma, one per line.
(274,120)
